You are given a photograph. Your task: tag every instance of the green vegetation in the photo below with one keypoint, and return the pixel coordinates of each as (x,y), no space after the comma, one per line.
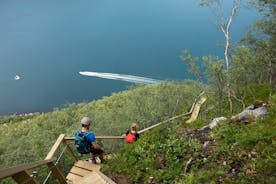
(163,152)
(174,153)
(15,118)
(30,139)
(237,153)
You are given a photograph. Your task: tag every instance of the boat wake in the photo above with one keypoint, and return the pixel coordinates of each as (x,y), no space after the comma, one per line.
(121,77)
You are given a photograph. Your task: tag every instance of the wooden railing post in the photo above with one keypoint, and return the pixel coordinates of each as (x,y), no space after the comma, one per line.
(70,151)
(55,147)
(57,173)
(55,170)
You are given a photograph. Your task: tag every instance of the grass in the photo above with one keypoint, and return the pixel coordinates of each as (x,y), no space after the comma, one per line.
(239,153)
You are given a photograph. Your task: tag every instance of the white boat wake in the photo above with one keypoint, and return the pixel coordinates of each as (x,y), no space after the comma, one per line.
(121,77)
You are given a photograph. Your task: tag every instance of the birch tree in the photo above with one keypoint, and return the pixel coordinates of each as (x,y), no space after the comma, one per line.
(224,23)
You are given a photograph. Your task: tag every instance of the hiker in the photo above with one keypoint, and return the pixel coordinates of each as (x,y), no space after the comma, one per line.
(85,141)
(132,135)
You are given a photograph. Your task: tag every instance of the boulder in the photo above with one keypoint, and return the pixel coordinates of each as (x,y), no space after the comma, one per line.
(251,113)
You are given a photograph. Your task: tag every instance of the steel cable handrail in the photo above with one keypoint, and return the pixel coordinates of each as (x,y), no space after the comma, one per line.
(48,176)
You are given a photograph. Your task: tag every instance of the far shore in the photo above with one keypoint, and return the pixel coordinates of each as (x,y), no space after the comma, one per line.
(23,114)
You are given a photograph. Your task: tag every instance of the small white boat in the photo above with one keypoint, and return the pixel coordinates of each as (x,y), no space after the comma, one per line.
(16,77)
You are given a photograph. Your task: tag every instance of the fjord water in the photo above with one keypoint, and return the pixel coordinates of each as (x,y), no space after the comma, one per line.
(47,43)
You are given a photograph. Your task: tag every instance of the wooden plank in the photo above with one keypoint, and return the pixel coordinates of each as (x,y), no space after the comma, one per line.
(98,137)
(79,171)
(109,137)
(73,179)
(84,172)
(196,110)
(57,173)
(55,147)
(170,119)
(24,177)
(13,170)
(87,165)
(96,177)
(162,122)
(92,178)
(151,127)
(106,179)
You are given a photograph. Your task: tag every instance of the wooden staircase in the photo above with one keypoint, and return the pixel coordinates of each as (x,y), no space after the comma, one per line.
(84,172)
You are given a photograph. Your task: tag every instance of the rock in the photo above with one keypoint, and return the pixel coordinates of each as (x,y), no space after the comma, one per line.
(205,144)
(250,113)
(213,123)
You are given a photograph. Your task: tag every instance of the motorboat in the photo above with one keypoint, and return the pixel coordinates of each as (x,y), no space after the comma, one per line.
(17,77)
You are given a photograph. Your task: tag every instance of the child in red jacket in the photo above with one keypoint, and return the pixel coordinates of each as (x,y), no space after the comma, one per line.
(132,135)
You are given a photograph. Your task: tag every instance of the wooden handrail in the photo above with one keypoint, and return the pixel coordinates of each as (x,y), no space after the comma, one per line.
(55,147)
(148,128)
(14,170)
(173,118)
(162,122)
(170,119)
(97,137)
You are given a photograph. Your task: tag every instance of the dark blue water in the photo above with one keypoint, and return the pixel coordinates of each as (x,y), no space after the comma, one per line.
(48,42)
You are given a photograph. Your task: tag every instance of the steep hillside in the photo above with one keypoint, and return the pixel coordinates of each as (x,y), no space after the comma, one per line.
(176,153)
(25,139)
(172,153)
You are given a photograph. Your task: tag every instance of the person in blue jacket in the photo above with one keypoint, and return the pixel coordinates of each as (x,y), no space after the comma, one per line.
(96,149)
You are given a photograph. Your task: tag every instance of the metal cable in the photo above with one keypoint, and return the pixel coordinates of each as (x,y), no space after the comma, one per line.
(48,176)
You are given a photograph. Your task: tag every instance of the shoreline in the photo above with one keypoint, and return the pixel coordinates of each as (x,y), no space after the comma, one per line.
(22,114)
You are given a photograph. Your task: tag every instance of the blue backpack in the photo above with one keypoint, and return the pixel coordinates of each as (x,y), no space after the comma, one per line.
(81,143)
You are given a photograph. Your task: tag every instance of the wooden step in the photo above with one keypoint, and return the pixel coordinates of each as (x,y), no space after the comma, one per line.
(92,178)
(87,165)
(80,170)
(84,172)
(73,179)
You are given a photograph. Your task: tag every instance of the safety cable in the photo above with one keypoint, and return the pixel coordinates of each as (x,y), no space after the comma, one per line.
(46,179)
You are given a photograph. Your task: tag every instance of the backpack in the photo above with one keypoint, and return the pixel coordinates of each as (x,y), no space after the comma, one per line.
(81,143)
(130,137)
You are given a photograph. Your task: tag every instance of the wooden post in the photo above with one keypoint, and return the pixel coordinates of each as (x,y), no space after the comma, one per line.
(70,151)
(55,147)
(57,173)
(24,177)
